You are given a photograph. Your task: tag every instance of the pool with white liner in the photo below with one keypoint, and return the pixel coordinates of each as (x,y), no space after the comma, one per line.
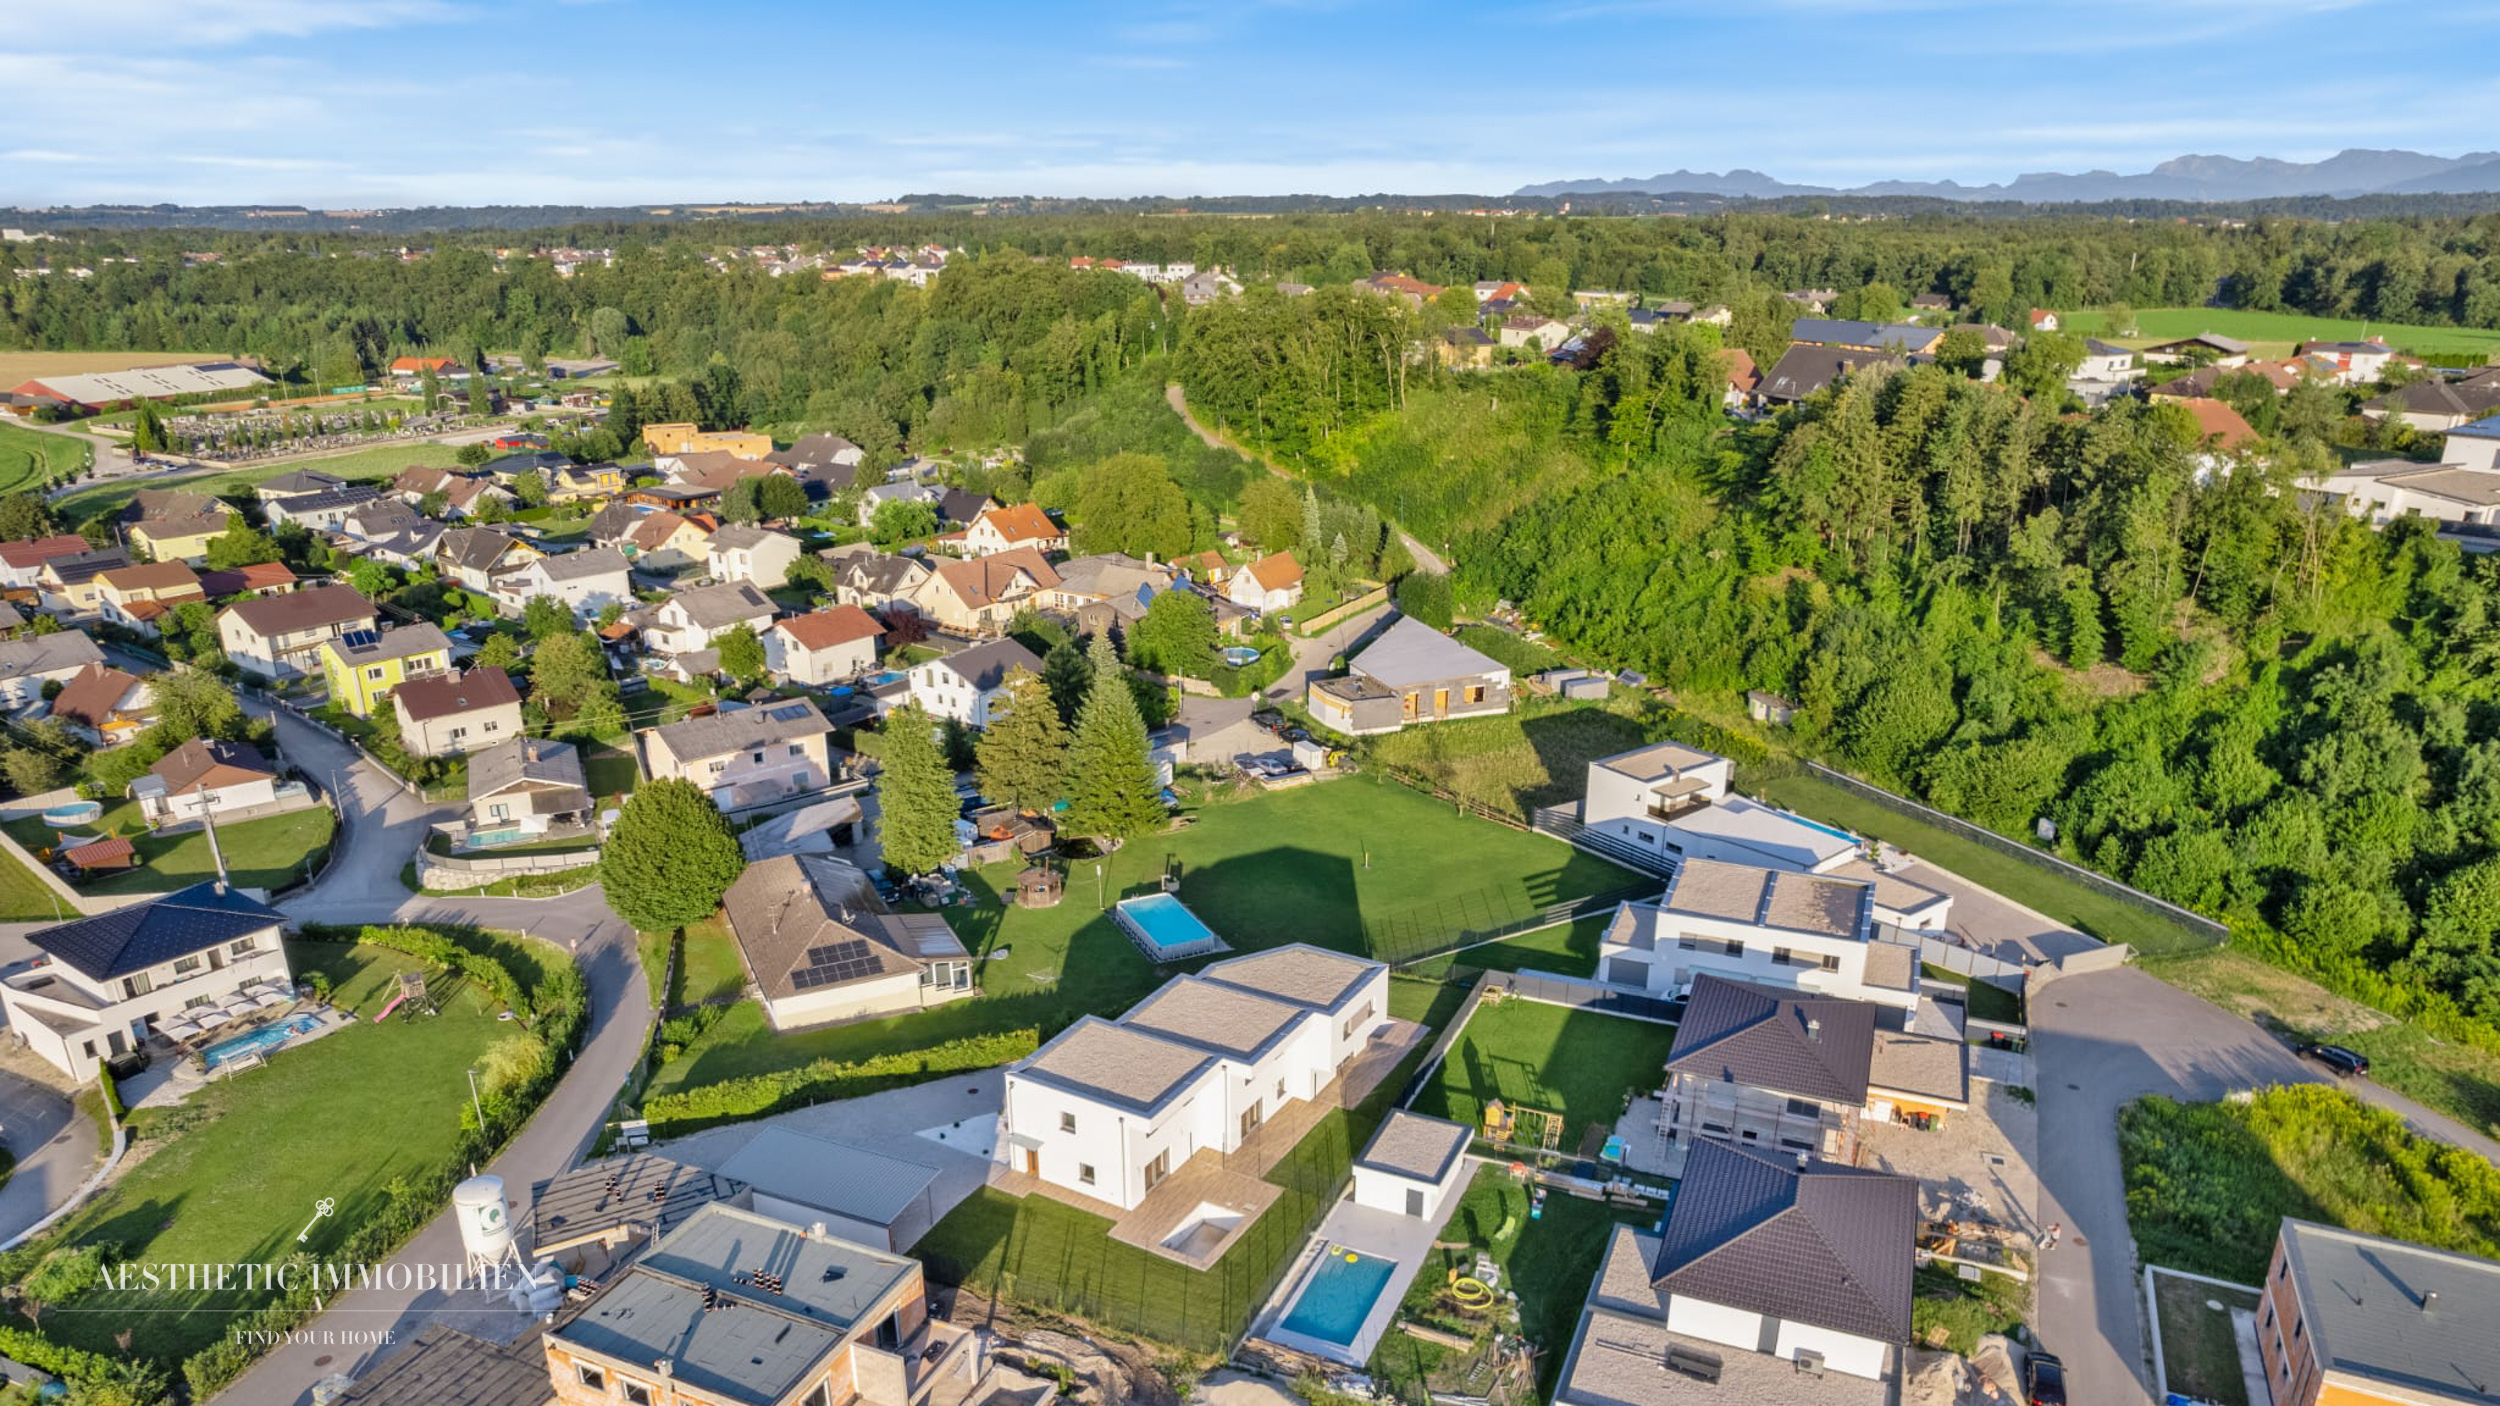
(1315,1310)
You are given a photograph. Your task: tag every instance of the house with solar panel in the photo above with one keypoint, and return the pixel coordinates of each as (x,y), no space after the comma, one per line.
(1776,1278)
(734,1308)
(819,946)
(114,977)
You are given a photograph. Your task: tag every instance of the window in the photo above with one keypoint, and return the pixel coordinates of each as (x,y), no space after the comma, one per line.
(242,945)
(759,759)
(498,811)
(459,732)
(198,1001)
(1067,1122)
(1085,1173)
(798,749)
(1732,947)
(1830,964)
(2297,1325)
(635,1392)
(90,1049)
(134,987)
(1475,693)
(1805,1108)
(591,1377)
(1781,956)
(1357,1020)
(1280,1088)
(719,767)
(374,673)
(184,966)
(1686,942)
(492,724)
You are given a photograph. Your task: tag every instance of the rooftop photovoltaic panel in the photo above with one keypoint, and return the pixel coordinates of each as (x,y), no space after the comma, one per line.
(360,639)
(787,712)
(835,963)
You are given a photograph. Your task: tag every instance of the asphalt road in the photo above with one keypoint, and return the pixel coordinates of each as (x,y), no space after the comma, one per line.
(56,1150)
(2100,1041)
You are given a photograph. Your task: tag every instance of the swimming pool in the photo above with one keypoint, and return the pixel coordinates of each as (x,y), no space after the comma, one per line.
(260,1041)
(1338,1296)
(1164,929)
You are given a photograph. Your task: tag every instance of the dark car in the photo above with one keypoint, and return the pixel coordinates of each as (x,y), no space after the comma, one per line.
(2350,1063)
(2044,1380)
(1268,720)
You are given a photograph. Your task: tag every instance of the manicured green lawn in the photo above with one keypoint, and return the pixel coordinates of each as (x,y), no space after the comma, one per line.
(2199,1353)
(2062,898)
(610,770)
(269,853)
(1547,1261)
(31,458)
(1051,1256)
(1566,949)
(232,1175)
(2275,332)
(383,461)
(1537,754)
(710,968)
(1580,1064)
(1316,864)
(25,898)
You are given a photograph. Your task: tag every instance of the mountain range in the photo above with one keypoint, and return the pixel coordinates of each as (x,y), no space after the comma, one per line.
(2196,178)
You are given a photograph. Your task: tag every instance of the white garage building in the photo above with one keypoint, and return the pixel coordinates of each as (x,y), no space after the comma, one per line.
(861,1196)
(1413,1166)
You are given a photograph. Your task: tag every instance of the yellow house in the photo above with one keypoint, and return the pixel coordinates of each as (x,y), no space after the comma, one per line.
(364,666)
(178,539)
(681,437)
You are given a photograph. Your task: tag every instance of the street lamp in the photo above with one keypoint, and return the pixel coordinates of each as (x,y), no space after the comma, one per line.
(1099,903)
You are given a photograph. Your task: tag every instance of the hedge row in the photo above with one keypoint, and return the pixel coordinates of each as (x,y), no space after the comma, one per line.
(436,950)
(61,1360)
(756,1095)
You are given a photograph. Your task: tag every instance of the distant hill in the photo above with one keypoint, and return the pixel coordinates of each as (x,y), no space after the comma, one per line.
(2190,178)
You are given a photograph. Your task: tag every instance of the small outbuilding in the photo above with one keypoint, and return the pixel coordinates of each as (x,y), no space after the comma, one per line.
(861,1196)
(1413,1166)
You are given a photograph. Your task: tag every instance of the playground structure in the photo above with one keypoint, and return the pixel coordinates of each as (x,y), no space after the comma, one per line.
(1517,1125)
(411,989)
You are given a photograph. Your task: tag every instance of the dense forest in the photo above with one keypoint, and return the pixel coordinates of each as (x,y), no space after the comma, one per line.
(2213,687)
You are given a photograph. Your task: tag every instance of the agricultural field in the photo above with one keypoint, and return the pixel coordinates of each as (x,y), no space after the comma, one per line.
(380,462)
(2273,334)
(19,366)
(28,458)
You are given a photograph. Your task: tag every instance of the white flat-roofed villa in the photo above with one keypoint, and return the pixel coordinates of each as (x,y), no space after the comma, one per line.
(1164,1120)
(1810,932)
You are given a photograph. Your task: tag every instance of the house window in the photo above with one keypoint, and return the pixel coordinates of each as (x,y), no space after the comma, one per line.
(1781,956)
(240,946)
(636,1394)
(1475,693)
(492,725)
(1829,963)
(719,767)
(498,811)
(184,966)
(1805,1108)
(798,749)
(1732,948)
(1067,1122)
(1357,1020)
(759,759)
(90,1046)
(591,1377)
(1085,1173)
(134,987)
(1280,1088)
(459,732)
(1686,942)
(198,1001)
(374,673)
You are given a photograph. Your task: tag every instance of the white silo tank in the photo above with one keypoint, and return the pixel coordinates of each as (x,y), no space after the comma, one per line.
(485,1231)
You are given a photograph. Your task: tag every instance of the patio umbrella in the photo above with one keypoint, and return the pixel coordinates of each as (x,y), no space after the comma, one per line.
(237,1004)
(181,1029)
(211,1018)
(269,998)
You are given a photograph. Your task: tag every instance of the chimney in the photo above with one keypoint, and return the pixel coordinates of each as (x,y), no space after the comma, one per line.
(816,1231)
(1814,1028)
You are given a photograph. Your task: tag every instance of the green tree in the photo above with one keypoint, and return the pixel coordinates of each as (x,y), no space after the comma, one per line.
(31,770)
(669,857)
(429,390)
(24,516)
(147,429)
(373,579)
(1069,677)
(565,669)
(241,544)
(545,617)
(471,455)
(1023,758)
(1176,635)
(1271,513)
(1425,596)
(738,501)
(1114,794)
(608,330)
(811,572)
(2040,366)
(195,703)
(741,654)
(901,521)
(1128,503)
(499,652)
(779,497)
(530,486)
(915,795)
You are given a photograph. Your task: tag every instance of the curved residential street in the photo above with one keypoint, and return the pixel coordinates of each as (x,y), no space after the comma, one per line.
(384,823)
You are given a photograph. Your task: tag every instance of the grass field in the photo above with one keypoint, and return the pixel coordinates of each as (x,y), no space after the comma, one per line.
(31,458)
(267,853)
(710,968)
(26,898)
(380,462)
(2200,1357)
(232,1175)
(1537,754)
(1315,864)
(1548,1261)
(16,366)
(2275,333)
(1580,1064)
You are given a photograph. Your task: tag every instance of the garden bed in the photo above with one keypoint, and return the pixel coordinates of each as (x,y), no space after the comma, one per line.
(2200,1353)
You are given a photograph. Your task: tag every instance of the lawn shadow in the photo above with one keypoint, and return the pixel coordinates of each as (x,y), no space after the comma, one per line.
(1271,897)
(1565,741)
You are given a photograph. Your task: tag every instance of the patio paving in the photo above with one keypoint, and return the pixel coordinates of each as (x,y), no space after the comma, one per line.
(1408,1240)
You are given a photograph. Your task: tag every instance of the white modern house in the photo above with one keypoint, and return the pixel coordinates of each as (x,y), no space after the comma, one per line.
(1807,932)
(588,581)
(690,620)
(1108,1109)
(114,978)
(968,683)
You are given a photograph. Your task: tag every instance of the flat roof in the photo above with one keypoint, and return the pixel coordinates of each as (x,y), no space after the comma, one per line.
(2478,488)
(1414,1146)
(831,1176)
(1921,1066)
(1658,761)
(1223,1019)
(2411,1321)
(1098,1059)
(1297,972)
(1771,898)
(1778,837)
(640,1193)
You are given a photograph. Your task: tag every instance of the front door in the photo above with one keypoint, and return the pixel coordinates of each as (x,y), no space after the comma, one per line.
(1032,1161)
(1415,1202)
(1249,1120)
(1158,1169)
(1440,702)
(113,1038)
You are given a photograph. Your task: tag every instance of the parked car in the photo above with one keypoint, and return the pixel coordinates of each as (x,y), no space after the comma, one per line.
(2044,1380)
(2349,1063)
(1268,720)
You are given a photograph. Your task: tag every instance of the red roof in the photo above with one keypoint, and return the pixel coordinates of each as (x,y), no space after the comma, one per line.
(1024,522)
(1742,374)
(423,363)
(24,555)
(827,628)
(1276,573)
(2218,424)
(104,854)
(2040,315)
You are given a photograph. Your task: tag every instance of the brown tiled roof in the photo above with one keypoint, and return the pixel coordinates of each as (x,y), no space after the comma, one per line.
(168,577)
(91,695)
(1022,522)
(827,628)
(2218,424)
(301,610)
(42,549)
(1277,572)
(982,580)
(202,762)
(447,694)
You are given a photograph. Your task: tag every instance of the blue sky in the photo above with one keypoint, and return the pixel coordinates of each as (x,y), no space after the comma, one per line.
(408,102)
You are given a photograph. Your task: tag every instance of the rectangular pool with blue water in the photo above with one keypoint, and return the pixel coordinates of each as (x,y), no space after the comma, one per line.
(1164,929)
(260,1041)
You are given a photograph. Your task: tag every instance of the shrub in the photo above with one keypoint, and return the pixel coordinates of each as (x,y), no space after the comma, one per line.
(734,1100)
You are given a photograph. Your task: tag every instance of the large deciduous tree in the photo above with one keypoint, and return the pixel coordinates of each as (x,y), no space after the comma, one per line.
(669,857)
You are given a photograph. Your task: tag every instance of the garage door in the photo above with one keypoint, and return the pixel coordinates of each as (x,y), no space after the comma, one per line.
(1627,971)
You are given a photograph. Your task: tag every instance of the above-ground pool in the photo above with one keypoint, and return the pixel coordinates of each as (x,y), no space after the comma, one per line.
(74,813)
(260,1041)
(1241,656)
(1164,929)
(1338,1296)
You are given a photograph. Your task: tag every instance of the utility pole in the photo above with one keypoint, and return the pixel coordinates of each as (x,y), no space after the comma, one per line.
(208,821)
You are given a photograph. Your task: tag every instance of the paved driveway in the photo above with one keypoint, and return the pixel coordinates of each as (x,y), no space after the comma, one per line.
(56,1150)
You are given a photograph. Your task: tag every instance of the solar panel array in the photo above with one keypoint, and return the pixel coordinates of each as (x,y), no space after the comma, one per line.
(835,963)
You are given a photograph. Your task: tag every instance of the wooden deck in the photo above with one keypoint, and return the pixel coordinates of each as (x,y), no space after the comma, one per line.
(1234,1182)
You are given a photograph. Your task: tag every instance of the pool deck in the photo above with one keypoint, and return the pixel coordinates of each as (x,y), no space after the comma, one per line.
(1235,1181)
(169,1079)
(1382,1234)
